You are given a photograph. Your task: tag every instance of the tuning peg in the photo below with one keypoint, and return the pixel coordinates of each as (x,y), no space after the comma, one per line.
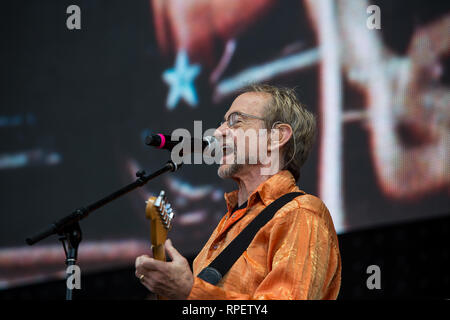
(170,223)
(163,216)
(165,224)
(160,199)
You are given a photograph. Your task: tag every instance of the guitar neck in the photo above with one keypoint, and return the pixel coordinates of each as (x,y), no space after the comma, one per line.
(159,252)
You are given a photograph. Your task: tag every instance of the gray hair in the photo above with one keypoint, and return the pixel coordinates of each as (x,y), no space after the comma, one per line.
(285,107)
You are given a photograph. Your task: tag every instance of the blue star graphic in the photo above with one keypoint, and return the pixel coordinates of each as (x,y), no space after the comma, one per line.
(181,81)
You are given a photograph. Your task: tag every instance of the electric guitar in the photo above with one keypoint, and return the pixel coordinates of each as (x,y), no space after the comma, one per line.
(160,213)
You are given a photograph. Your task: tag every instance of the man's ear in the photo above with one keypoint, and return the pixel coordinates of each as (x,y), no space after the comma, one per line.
(279,135)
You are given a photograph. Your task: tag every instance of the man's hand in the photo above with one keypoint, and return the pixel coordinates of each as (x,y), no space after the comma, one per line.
(172,279)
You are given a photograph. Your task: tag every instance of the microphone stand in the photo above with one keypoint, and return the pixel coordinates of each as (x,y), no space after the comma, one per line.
(69,229)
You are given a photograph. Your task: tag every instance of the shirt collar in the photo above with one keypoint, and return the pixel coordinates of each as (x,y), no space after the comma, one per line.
(271,189)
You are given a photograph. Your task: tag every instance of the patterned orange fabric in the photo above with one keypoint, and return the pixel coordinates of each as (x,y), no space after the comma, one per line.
(294,256)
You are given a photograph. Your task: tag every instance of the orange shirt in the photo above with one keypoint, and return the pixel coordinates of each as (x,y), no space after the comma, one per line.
(294,256)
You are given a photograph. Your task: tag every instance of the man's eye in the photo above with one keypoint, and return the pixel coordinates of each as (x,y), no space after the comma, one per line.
(235,122)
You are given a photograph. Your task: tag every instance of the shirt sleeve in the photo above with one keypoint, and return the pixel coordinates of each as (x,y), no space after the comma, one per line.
(304,260)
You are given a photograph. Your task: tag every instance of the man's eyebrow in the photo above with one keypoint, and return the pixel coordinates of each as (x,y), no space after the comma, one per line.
(225,118)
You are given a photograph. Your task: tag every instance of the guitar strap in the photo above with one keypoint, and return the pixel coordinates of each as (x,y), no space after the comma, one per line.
(214,272)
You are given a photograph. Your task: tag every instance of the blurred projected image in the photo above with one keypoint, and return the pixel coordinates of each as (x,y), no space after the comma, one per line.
(381,97)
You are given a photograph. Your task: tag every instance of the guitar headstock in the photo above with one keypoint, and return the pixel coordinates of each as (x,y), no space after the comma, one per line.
(160,213)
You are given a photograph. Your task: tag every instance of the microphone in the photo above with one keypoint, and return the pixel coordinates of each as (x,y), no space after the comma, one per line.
(164,141)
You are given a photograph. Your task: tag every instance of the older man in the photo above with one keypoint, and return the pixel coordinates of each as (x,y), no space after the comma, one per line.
(293,256)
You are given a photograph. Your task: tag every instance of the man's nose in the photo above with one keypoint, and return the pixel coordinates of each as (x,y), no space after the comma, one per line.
(221,131)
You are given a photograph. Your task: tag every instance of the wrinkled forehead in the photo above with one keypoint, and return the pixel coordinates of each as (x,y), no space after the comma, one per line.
(253,103)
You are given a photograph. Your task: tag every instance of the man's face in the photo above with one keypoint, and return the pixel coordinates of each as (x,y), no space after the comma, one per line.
(239,141)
